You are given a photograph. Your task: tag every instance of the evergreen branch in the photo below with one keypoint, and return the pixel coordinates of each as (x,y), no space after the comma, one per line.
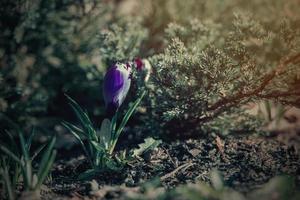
(255,92)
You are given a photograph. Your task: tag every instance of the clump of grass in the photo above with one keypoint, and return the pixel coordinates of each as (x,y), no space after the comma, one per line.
(16,165)
(274,112)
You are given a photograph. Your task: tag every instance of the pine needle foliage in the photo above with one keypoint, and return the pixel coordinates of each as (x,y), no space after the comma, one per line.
(209,70)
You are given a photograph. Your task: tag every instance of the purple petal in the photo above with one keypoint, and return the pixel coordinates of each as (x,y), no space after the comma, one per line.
(116,86)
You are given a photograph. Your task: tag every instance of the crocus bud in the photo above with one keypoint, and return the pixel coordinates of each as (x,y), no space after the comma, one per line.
(144,66)
(116,84)
(148,69)
(139,64)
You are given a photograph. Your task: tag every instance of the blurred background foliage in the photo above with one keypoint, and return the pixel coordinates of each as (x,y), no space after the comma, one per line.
(52,47)
(49,48)
(280,187)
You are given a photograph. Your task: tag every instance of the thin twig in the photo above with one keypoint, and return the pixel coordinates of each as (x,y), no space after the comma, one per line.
(172,173)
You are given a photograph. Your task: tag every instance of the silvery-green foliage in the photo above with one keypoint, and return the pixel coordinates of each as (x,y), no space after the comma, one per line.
(209,70)
(121,41)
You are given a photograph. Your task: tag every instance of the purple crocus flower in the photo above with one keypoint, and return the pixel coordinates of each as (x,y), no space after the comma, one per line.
(116,85)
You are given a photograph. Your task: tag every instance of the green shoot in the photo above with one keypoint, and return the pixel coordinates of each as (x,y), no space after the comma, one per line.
(19,166)
(99,145)
(8,183)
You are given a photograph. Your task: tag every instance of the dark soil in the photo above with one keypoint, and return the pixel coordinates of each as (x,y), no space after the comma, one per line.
(244,162)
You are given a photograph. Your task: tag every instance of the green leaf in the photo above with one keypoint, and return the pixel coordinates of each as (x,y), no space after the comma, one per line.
(78,110)
(10,154)
(36,152)
(73,128)
(114,125)
(83,118)
(74,133)
(105,133)
(113,165)
(29,141)
(124,121)
(98,146)
(13,145)
(149,144)
(10,122)
(45,170)
(28,173)
(25,153)
(268,110)
(27,168)
(46,157)
(129,113)
(7,182)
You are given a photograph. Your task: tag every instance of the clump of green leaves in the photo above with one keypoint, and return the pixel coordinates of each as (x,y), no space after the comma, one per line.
(99,145)
(17,163)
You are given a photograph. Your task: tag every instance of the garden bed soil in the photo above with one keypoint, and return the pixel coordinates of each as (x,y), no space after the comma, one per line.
(245,163)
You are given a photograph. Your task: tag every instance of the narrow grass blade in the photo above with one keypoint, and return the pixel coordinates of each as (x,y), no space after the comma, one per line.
(13,144)
(114,123)
(25,178)
(268,110)
(17,173)
(46,157)
(9,187)
(45,170)
(17,128)
(10,122)
(129,113)
(100,153)
(113,128)
(74,128)
(10,154)
(83,118)
(27,168)
(125,120)
(25,153)
(280,113)
(74,133)
(28,173)
(20,166)
(29,141)
(38,151)
(97,159)
(85,123)
(97,146)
